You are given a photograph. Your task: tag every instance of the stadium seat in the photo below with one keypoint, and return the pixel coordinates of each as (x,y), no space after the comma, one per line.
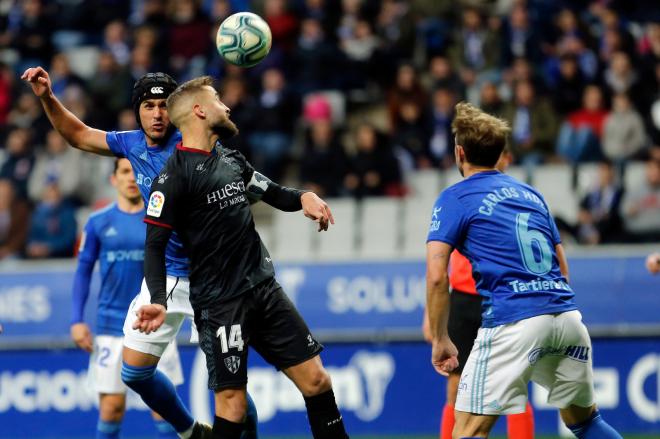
(425,185)
(379,228)
(635,175)
(339,242)
(587,178)
(451,177)
(416,220)
(517,172)
(83,60)
(555,184)
(292,236)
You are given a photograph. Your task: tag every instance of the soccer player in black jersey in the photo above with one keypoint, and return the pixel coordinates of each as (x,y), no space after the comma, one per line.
(204,194)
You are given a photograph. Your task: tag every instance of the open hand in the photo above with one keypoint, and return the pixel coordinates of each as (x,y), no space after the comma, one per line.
(316,209)
(149,318)
(39,80)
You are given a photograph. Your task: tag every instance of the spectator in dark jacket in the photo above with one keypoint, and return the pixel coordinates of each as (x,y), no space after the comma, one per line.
(373,170)
(599,220)
(14,221)
(53,228)
(323,164)
(274,116)
(20,161)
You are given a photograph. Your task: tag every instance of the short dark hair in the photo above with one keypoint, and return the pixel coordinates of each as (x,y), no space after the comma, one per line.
(192,86)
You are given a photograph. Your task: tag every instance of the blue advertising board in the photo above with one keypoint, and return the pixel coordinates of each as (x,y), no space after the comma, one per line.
(380,389)
(354,298)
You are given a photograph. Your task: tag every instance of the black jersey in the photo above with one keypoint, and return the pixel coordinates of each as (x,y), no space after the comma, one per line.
(203,197)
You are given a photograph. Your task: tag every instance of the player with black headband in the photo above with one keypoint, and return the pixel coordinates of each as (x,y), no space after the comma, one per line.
(204,193)
(147,149)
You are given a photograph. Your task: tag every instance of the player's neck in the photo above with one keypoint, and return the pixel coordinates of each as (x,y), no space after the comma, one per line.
(469,169)
(199,139)
(129,206)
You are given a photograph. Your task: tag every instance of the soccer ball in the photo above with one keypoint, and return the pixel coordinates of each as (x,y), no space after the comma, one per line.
(243,39)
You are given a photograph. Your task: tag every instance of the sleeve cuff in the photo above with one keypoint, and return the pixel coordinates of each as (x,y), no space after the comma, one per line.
(157,223)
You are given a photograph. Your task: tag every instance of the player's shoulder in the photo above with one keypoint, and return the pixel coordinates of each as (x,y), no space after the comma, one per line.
(130,137)
(100,217)
(229,153)
(103,212)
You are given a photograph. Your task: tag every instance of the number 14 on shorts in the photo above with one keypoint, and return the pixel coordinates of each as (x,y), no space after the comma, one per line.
(235,339)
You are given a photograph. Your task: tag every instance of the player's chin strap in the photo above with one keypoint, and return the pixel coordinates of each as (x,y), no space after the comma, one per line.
(283,198)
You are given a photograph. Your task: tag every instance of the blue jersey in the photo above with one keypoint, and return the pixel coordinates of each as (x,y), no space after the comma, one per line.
(116,239)
(147,161)
(505,229)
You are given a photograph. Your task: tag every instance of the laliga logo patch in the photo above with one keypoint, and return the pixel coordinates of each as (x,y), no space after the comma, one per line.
(157,90)
(156,202)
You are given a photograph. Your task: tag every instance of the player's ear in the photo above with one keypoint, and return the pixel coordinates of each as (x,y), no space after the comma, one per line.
(198,111)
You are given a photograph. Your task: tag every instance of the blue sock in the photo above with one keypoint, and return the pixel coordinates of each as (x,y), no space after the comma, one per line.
(165,430)
(107,430)
(158,392)
(251,420)
(594,428)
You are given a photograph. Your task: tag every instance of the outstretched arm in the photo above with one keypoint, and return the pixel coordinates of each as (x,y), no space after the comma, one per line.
(289,199)
(76,133)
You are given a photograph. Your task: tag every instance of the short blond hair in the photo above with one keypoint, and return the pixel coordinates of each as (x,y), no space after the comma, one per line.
(482,136)
(176,109)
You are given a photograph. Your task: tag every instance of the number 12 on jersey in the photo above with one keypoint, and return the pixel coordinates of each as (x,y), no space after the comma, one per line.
(235,338)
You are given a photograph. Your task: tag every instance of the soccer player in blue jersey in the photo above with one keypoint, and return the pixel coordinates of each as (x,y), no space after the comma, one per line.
(147,149)
(531,328)
(115,237)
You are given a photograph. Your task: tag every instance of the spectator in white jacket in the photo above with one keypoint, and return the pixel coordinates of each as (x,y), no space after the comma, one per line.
(624,133)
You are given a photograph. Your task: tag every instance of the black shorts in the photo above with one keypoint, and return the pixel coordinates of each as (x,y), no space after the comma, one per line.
(263,318)
(464,322)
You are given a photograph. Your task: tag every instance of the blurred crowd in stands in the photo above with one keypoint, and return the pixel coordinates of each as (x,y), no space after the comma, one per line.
(354,96)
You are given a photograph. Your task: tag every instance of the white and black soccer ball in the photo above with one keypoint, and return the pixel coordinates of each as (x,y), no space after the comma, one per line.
(243,39)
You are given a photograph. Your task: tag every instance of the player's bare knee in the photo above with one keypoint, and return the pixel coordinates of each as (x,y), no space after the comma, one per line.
(231,404)
(111,411)
(317,382)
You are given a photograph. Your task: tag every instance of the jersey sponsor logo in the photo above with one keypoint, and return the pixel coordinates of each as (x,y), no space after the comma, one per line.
(125,255)
(157,90)
(577,353)
(162,178)
(233,363)
(156,203)
(142,180)
(144,156)
(538,284)
(235,190)
(110,232)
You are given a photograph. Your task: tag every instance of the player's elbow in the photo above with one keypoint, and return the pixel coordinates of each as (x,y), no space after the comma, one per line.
(436,278)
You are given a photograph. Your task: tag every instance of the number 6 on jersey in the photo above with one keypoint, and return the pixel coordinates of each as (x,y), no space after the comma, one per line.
(235,338)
